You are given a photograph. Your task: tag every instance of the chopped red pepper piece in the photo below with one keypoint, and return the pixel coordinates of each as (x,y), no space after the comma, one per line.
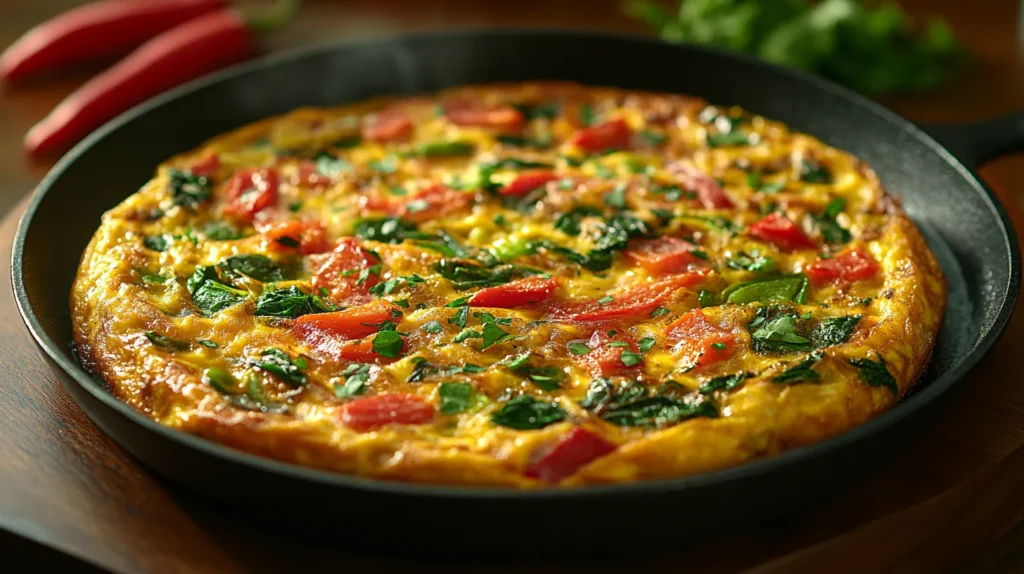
(251,191)
(304,237)
(428,203)
(605,356)
(701,342)
(206,166)
(387,125)
(374,412)
(345,272)
(780,231)
(515,294)
(528,182)
(351,323)
(662,256)
(577,448)
(613,134)
(852,265)
(361,351)
(633,302)
(476,114)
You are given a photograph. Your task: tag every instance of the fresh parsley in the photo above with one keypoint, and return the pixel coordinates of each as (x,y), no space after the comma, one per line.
(527,413)
(278,363)
(291,302)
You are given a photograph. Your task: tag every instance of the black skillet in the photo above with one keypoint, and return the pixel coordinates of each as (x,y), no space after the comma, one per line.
(963,222)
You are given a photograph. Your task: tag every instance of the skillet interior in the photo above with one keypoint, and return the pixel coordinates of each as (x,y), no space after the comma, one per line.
(964,226)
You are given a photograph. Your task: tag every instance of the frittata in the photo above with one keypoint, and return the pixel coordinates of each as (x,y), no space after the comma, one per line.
(516,285)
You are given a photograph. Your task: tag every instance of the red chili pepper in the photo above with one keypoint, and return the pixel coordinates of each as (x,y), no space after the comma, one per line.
(97,31)
(183,53)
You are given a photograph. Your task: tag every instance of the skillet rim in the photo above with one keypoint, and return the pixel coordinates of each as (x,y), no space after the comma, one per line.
(763,466)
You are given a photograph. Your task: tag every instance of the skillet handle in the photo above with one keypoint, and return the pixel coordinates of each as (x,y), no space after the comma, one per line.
(975,143)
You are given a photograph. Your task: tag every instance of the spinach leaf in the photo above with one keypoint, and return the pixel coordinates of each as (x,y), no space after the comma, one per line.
(465,275)
(447,245)
(258,267)
(660,411)
(769,290)
(291,302)
(830,230)
(531,112)
(158,242)
(493,334)
(800,373)
(455,397)
(278,363)
(569,223)
(220,231)
(587,115)
(724,383)
(735,138)
(540,142)
(209,294)
(545,377)
(527,413)
(776,330)
(813,172)
(834,330)
(387,230)
(188,190)
(876,374)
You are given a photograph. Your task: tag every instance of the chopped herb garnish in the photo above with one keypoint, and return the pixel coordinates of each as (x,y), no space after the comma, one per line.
(605,300)
(834,331)
(355,384)
(331,166)
(646,344)
(493,334)
(455,397)
(578,349)
(387,230)
(207,343)
(434,326)
(800,373)
(219,231)
(658,312)
(445,149)
(221,380)
(617,197)
(158,242)
(388,343)
(629,358)
(258,267)
(775,329)
(751,262)
(812,172)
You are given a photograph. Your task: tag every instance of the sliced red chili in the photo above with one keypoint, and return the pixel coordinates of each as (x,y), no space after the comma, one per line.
(854,264)
(577,448)
(780,231)
(613,134)
(518,293)
(372,413)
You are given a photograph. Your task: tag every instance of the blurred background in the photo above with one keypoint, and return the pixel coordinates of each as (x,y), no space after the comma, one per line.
(931,60)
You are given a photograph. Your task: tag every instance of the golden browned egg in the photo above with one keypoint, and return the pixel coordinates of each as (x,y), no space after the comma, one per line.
(515,285)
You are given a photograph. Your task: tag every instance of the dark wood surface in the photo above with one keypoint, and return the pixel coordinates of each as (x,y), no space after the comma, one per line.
(951,502)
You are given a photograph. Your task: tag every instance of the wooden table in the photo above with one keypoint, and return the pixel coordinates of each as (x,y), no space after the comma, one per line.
(953,501)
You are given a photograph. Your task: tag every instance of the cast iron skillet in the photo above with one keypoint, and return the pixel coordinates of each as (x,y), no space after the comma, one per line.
(964,224)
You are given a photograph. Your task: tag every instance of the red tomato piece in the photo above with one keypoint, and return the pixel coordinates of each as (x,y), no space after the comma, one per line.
(528,182)
(206,166)
(662,256)
(309,177)
(372,413)
(605,356)
(251,191)
(577,448)
(476,114)
(387,125)
(851,265)
(701,342)
(780,231)
(518,293)
(709,193)
(613,134)
(339,272)
(351,323)
(361,351)
(304,237)
(633,302)
(433,202)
